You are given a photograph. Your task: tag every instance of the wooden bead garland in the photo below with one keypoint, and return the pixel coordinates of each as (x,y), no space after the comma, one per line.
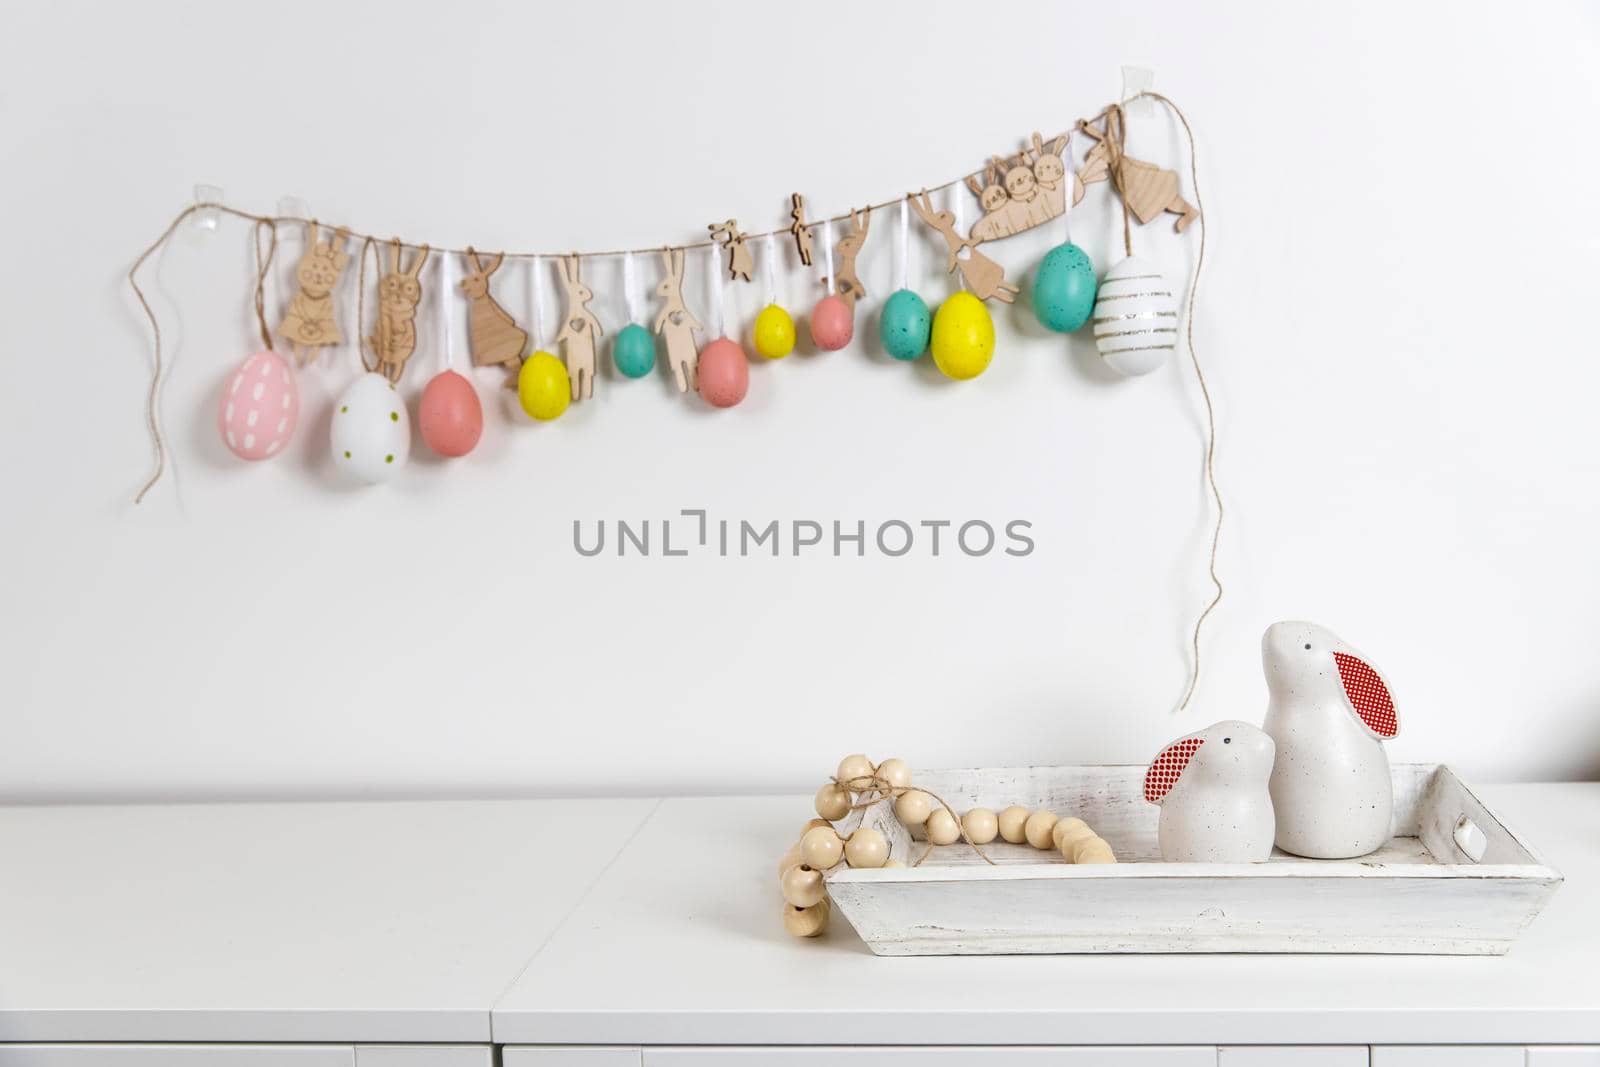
(858,784)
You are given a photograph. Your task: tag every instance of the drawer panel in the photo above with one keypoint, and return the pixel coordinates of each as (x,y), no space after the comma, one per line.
(572,1056)
(1449,1056)
(424,1056)
(932,1056)
(1564,1056)
(1292,1056)
(157,1055)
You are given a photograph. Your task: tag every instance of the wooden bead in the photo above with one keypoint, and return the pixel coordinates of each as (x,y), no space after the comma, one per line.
(802,886)
(821,848)
(790,859)
(833,802)
(912,807)
(1062,827)
(943,828)
(852,768)
(1037,828)
(981,825)
(866,848)
(1093,850)
(1068,842)
(1012,822)
(810,823)
(806,922)
(897,772)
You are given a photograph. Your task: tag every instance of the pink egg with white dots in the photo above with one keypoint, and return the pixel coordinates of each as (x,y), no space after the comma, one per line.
(260,406)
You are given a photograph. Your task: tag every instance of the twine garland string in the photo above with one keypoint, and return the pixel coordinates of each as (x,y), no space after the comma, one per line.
(877,789)
(264,264)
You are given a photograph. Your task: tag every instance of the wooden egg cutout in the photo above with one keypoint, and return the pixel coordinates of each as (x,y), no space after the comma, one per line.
(1135,318)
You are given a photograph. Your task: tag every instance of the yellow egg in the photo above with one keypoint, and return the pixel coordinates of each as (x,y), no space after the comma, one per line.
(543,386)
(774,332)
(963,336)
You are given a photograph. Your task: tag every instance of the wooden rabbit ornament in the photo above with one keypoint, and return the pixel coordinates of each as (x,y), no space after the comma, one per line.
(398,294)
(1022,192)
(580,330)
(310,323)
(847,282)
(1147,189)
(727,234)
(675,323)
(983,276)
(800,227)
(496,338)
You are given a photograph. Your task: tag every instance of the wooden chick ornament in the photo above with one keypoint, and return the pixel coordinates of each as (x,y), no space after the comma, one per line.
(496,338)
(310,323)
(727,234)
(983,276)
(398,294)
(675,323)
(1328,713)
(580,331)
(1212,789)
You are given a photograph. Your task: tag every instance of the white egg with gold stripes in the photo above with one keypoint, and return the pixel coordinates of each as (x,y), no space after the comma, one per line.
(1135,317)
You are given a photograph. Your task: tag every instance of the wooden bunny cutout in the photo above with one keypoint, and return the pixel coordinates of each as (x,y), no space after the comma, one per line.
(728,236)
(848,282)
(1212,788)
(1145,188)
(674,322)
(398,293)
(983,276)
(310,324)
(800,228)
(1025,191)
(496,339)
(580,331)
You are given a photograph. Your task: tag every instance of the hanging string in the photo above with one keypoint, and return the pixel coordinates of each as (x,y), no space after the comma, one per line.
(536,298)
(264,264)
(1116,144)
(1072,179)
(957,209)
(827,252)
(447,306)
(368,244)
(905,242)
(769,257)
(629,287)
(714,282)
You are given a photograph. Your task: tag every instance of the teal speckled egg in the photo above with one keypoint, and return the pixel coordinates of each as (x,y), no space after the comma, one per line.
(1064,288)
(634,350)
(904,325)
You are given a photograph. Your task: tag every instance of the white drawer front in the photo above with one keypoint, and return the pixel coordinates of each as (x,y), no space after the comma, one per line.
(1292,1056)
(424,1056)
(154,1055)
(572,1056)
(931,1056)
(1449,1056)
(1564,1056)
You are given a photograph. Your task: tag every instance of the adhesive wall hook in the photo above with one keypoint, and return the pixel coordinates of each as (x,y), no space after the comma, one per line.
(1136,80)
(207,218)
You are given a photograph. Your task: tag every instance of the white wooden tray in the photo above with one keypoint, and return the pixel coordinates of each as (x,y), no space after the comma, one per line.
(1421,893)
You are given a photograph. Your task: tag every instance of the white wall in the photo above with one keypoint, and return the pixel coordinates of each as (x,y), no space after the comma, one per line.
(1396,319)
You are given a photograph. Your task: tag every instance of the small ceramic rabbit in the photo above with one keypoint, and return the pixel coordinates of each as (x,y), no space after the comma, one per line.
(1212,788)
(675,323)
(1329,713)
(580,331)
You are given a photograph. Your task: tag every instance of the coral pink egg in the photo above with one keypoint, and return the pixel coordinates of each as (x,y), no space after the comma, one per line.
(724,373)
(450,415)
(832,323)
(260,406)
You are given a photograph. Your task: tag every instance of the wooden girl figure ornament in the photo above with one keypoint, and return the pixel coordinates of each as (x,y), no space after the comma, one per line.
(310,323)
(496,339)
(675,323)
(398,293)
(580,331)
(1144,187)
(983,276)
(1329,713)
(1212,788)
(727,234)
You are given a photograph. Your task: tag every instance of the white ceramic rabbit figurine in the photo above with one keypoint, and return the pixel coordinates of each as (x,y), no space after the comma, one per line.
(1329,713)
(1212,788)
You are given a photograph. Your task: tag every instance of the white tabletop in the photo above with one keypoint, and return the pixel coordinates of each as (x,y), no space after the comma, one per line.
(351,922)
(680,942)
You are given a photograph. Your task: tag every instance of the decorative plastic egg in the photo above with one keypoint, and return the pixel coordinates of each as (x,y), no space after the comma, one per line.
(1135,318)
(371,431)
(450,414)
(543,387)
(634,351)
(260,406)
(832,324)
(904,324)
(774,332)
(963,336)
(1063,289)
(724,373)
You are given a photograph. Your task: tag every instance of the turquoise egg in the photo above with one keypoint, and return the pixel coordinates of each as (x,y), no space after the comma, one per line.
(1064,288)
(634,351)
(904,325)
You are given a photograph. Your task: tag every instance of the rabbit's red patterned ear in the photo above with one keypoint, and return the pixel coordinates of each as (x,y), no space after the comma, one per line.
(1368,695)
(1165,771)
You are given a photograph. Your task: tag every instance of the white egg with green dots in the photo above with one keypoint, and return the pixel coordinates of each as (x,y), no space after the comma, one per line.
(371,432)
